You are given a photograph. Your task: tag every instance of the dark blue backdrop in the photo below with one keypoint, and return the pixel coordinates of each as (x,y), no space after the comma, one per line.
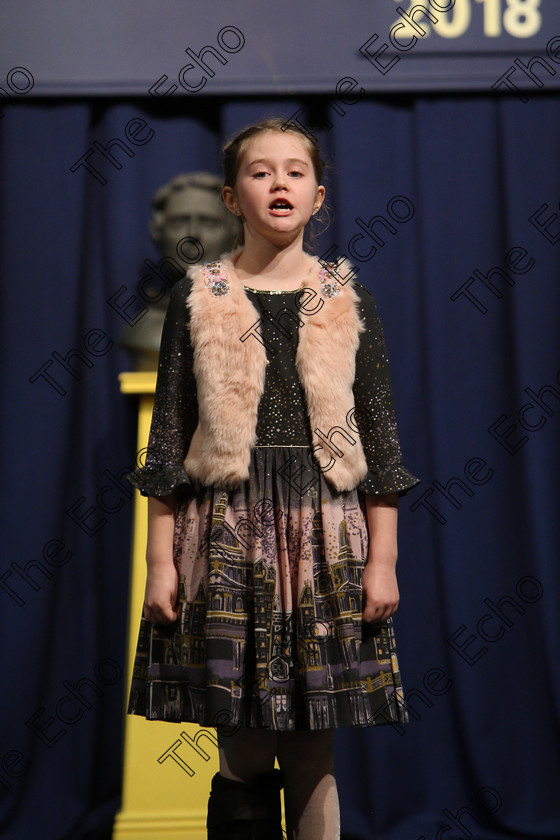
(477,627)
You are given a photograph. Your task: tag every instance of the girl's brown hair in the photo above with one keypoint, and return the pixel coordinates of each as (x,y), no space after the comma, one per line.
(234,149)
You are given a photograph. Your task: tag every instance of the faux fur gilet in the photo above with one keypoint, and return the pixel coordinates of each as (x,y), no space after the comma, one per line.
(230,368)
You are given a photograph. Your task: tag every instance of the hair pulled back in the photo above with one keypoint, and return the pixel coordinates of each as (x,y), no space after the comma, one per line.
(233,150)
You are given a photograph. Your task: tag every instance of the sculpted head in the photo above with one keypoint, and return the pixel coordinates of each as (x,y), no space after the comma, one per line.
(190,205)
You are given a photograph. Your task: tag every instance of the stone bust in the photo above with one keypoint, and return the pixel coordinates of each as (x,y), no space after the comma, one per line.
(189,207)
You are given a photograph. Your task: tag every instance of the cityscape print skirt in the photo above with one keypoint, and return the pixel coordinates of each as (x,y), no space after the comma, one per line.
(270,632)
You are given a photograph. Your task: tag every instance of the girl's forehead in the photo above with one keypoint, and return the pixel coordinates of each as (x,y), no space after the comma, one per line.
(275,144)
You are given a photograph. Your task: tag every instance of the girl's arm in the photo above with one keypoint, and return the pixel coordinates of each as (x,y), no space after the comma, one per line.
(379,580)
(373,397)
(175,412)
(162,582)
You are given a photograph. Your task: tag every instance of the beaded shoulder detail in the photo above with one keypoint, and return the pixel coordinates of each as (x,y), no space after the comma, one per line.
(215,277)
(329,284)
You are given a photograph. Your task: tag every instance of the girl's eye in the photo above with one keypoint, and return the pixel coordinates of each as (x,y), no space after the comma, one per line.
(258,174)
(296,172)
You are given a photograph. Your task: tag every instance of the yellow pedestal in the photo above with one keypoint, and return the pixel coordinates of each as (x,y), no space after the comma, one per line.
(166,781)
(168,767)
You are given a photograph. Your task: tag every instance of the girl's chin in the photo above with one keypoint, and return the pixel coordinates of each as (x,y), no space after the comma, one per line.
(286,224)
(278,232)
(286,233)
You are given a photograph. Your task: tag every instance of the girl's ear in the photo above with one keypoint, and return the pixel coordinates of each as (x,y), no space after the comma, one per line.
(319,198)
(229,201)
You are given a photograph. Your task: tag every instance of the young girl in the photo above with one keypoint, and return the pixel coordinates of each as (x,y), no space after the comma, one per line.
(273,475)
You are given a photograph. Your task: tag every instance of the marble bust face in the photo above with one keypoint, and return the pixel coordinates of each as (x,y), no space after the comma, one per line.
(189,207)
(192,212)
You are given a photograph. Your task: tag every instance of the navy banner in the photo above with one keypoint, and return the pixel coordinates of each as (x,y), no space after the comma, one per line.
(136,47)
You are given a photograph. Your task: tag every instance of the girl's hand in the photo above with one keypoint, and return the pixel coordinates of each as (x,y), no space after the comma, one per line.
(379,580)
(162,582)
(162,589)
(381,593)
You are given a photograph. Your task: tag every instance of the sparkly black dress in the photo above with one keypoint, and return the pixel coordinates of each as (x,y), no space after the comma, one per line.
(270,631)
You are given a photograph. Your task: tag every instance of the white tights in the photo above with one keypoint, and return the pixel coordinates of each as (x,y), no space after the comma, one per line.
(307,760)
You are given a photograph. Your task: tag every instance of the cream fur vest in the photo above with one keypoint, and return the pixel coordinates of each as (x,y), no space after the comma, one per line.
(230,365)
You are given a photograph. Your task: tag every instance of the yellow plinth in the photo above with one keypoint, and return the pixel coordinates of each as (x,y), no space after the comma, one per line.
(168,767)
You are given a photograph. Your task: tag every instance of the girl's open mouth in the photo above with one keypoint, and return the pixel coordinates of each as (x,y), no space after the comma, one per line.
(280,207)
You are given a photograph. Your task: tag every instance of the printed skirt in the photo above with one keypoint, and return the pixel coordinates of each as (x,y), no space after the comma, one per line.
(270,632)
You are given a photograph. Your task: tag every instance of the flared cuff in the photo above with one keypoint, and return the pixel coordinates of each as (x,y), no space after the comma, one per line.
(391,478)
(161,479)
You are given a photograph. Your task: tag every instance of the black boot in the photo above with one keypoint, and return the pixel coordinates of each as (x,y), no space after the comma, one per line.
(245,810)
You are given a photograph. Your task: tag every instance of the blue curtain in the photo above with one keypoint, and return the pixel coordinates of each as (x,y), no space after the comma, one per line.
(449,208)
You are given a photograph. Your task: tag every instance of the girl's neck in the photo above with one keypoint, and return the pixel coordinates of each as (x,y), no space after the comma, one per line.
(273,268)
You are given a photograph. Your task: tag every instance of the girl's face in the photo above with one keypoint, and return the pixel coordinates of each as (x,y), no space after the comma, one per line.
(275,191)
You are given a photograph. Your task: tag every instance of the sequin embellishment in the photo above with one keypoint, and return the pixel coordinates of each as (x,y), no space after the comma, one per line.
(215,278)
(329,286)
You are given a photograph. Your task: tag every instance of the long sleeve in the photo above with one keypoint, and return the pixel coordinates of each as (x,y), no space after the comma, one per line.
(175,414)
(375,416)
